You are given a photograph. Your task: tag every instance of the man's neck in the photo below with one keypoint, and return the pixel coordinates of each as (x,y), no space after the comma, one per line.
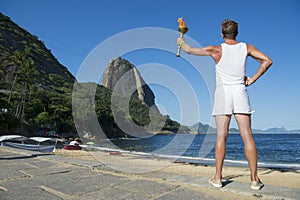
(230,41)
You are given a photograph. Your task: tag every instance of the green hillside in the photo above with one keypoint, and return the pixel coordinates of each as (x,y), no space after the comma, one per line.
(16,42)
(36,92)
(35,89)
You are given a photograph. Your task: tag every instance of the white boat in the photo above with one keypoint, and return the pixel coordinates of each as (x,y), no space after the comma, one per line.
(18,138)
(14,142)
(30,147)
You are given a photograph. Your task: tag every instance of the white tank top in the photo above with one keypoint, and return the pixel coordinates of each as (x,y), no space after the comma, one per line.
(231,68)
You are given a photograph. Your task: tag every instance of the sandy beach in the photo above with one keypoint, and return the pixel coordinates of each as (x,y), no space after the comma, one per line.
(139,164)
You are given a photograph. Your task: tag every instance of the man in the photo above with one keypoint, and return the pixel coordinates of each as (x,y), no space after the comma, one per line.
(231,97)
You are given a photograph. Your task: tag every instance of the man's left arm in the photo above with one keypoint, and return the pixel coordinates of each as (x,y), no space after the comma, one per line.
(265,63)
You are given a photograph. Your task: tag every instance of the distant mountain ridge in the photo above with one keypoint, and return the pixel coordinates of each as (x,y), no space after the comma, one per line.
(275,130)
(205,128)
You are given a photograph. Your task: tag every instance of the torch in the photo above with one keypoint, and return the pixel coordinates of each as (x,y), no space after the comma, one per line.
(182,28)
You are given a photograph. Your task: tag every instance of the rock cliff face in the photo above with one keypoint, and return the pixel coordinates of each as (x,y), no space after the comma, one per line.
(124,79)
(122,73)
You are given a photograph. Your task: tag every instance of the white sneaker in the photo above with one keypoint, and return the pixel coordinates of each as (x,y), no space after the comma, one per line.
(215,183)
(256,185)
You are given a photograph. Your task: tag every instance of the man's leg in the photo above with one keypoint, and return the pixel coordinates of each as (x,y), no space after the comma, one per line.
(244,123)
(222,123)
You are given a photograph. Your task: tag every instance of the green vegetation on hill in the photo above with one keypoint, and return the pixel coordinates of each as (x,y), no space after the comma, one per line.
(51,74)
(35,88)
(36,92)
(115,120)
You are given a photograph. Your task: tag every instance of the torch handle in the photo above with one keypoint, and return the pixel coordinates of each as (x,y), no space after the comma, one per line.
(179,47)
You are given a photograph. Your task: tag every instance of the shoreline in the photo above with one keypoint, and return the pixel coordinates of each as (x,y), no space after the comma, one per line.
(289,178)
(198,160)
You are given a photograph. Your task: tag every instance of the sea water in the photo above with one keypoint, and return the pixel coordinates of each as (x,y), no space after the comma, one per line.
(274,150)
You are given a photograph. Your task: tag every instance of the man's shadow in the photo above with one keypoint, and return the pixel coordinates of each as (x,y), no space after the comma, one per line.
(226,182)
(228,179)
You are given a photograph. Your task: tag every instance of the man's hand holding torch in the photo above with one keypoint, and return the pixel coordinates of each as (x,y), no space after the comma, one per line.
(182,28)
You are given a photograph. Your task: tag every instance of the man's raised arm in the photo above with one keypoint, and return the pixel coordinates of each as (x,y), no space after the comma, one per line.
(190,50)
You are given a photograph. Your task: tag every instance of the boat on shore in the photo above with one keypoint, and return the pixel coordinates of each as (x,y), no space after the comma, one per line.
(72,147)
(30,147)
(30,144)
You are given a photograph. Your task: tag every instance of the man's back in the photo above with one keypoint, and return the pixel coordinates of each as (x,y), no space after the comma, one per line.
(230,70)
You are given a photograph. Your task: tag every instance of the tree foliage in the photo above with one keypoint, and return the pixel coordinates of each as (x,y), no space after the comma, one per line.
(36,92)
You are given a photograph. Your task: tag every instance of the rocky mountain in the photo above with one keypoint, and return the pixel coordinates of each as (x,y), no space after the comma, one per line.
(124,79)
(122,72)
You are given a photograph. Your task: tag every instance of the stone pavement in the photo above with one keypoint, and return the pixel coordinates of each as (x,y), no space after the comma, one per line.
(33,175)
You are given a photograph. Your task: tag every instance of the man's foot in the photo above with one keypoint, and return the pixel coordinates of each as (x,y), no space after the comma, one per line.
(256,185)
(215,183)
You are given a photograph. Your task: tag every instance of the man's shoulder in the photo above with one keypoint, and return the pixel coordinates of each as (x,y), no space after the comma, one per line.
(250,48)
(213,48)
(214,51)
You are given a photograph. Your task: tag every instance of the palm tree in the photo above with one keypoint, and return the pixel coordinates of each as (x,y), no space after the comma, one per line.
(26,79)
(5,62)
(23,79)
(18,58)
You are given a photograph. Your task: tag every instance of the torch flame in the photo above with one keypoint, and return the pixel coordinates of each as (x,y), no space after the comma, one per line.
(181,22)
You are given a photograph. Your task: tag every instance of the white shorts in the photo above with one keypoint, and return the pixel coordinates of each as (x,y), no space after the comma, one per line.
(230,99)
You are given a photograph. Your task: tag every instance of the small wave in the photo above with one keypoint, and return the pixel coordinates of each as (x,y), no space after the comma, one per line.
(124,138)
(202,160)
(280,165)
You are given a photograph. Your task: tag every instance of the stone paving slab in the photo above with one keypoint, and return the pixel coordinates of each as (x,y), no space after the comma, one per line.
(157,174)
(270,192)
(85,185)
(106,194)
(153,188)
(182,194)
(49,170)
(85,163)
(5,154)
(31,193)
(12,171)
(41,164)
(30,175)
(71,174)
(25,188)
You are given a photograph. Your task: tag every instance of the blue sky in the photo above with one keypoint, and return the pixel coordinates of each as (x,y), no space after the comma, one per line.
(72,29)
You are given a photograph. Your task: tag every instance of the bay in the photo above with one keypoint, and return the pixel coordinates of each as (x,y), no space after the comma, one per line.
(274,150)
